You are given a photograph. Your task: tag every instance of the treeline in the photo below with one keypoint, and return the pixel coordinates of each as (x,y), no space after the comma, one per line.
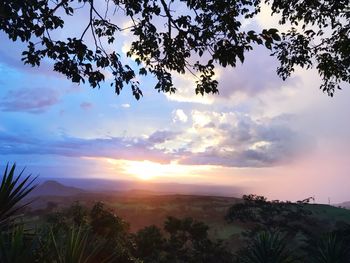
(277,232)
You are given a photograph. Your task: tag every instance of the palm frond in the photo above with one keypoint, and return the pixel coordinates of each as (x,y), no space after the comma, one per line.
(12,191)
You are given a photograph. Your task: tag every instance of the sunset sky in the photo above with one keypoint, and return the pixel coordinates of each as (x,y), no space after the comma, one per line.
(286,140)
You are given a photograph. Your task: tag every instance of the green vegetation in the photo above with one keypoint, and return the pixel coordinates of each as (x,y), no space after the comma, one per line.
(12,191)
(266,247)
(264,232)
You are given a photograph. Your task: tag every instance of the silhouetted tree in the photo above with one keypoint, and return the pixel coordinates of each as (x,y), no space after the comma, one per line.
(150,244)
(107,225)
(188,241)
(179,36)
(79,213)
(269,215)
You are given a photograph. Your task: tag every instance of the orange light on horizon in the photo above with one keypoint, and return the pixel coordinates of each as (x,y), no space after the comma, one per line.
(154,171)
(147,170)
(144,170)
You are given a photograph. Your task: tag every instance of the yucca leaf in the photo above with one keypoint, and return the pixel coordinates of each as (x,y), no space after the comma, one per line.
(76,247)
(12,192)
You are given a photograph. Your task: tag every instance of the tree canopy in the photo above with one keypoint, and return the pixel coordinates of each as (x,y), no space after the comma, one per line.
(179,36)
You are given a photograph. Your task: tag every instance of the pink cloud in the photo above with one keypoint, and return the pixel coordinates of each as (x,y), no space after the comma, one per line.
(86,105)
(31,100)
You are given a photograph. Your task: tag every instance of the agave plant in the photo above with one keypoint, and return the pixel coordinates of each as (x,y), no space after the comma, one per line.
(330,249)
(77,247)
(12,190)
(267,247)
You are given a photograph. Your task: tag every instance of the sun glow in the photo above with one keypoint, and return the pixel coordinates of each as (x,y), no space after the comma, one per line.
(146,170)
(158,172)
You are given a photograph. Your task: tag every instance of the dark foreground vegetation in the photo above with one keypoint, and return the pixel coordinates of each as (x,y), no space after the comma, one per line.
(276,232)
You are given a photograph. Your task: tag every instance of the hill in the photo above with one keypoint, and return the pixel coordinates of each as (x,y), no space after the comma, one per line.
(53,188)
(107,185)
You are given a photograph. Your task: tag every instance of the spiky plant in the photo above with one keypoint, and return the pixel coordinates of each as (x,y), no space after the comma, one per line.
(13,189)
(77,247)
(16,246)
(329,249)
(267,247)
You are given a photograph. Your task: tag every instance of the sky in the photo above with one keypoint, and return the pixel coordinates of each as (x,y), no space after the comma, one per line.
(281,139)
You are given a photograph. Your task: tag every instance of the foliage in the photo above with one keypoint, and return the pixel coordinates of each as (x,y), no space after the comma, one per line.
(105,224)
(78,213)
(329,249)
(322,41)
(81,235)
(77,247)
(202,35)
(185,240)
(104,230)
(150,244)
(16,246)
(270,215)
(12,191)
(181,240)
(266,247)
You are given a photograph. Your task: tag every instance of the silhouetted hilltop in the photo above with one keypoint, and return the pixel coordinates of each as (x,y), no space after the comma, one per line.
(55,189)
(114,186)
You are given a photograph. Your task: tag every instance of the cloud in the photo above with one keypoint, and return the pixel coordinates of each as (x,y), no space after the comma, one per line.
(226,139)
(11,54)
(31,100)
(113,147)
(237,140)
(118,106)
(185,90)
(179,116)
(86,105)
(125,105)
(256,75)
(159,137)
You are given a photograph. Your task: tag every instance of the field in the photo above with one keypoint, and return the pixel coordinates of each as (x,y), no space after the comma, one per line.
(142,209)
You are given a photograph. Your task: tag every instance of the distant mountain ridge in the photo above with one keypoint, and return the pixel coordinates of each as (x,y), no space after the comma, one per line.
(108,186)
(55,188)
